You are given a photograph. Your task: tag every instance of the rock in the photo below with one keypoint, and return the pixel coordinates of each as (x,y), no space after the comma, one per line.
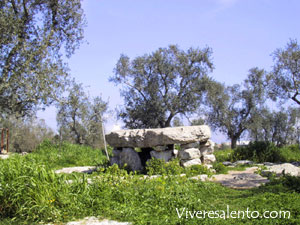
(163,148)
(158,137)
(188,163)
(95,221)
(165,155)
(116,152)
(206,150)
(269,164)
(240,179)
(280,169)
(114,160)
(244,162)
(191,153)
(208,159)
(201,177)
(227,163)
(175,152)
(189,145)
(131,158)
(4,156)
(77,169)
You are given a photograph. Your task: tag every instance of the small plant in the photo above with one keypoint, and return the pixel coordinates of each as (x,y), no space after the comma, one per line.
(220,168)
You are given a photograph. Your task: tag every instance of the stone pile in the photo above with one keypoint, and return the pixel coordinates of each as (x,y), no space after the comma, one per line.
(195,146)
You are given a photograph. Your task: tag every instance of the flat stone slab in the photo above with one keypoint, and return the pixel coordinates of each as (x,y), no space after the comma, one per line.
(280,169)
(240,179)
(4,156)
(94,221)
(78,169)
(144,138)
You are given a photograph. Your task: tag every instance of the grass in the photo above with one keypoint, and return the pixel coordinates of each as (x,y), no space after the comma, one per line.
(31,193)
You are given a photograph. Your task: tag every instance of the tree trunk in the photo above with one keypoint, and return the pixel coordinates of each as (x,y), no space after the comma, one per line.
(233,142)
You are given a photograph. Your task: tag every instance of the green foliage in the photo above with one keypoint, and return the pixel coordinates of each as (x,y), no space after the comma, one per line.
(80,119)
(32,35)
(66,155)
(284,81)
(197,170)
(232,108)
(160,167)
(258,152)
(25,134)
(31,193)
(159,86)
(290,153)
(224,155)
(279,127)
(220,168)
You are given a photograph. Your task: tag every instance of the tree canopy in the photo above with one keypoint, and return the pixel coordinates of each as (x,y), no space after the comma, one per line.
(232,109)
(79,119)
(156,87)
(32,34)
(285,78)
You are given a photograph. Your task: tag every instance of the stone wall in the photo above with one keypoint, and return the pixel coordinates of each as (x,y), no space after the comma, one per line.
(194,141)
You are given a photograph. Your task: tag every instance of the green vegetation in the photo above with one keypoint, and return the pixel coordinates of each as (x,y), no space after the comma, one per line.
(31,193)
(260,152)
(160,167)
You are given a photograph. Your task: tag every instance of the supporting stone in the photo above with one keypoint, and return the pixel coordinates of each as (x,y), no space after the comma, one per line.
(191,153)
(129,157)
(189,145)
(188,163)
(165,155)
(208,159)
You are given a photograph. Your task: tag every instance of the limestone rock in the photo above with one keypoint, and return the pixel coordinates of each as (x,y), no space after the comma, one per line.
(165,155)
(280,169)
(116,152)
(243,162)
(189,145)
(114,160)
(208,159)
(207,147)
(191,153)
(157,137)
(188,163)
(131,158)
(201,177)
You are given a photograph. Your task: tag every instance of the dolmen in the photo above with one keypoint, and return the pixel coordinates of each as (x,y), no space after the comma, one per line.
(135,147)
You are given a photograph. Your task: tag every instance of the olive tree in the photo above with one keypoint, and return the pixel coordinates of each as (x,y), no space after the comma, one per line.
(232,109)
(80,119)
(285,77)
(157,87)
(32,36)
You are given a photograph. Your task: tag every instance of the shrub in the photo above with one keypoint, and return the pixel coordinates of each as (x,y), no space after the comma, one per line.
(290,153)
(258,152)
(220,168)
(160,167)
(223,155)
(196,170)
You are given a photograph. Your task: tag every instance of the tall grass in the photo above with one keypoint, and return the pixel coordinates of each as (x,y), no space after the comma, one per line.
(31,193)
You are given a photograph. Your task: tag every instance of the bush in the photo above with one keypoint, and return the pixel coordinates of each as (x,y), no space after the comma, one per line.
(197,170)
(160,167)
(290,153)
(223,155)
(258,152)
(220,168)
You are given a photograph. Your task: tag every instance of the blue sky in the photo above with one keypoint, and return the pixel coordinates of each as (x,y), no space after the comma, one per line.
(242,34)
